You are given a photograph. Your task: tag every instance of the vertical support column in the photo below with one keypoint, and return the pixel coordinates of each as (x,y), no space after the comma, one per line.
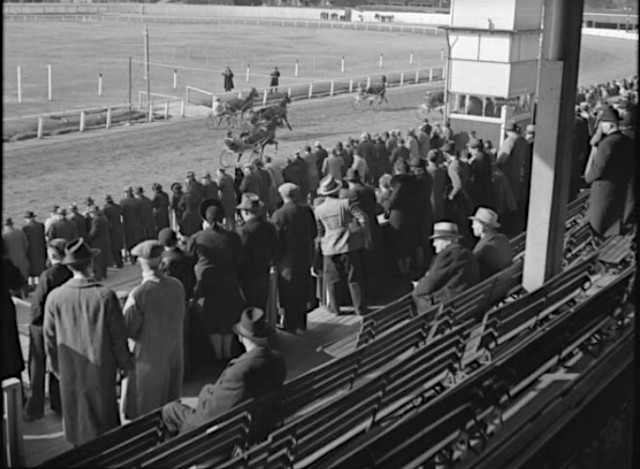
(49,83)
(19,77)
(182,114)
(331,88)
(411,57)
(40,127)
(108,124)
(342,65)
(553,141)
(430,74)
(175,78)
(417,75)
(295,70)
(380,61)
(351,85)
(368,82)
(99,84)
(12,448)
(150,113)
(310,90)
(246,78)
(166,110)
(401,78)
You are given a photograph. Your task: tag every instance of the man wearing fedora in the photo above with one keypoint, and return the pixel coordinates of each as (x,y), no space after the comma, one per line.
(86,342)
(62,228)
(480,185)
(424,211)
(296,228)
(344,231)
(146,212)
(79,220)
(511,158)
(153,315)
(256,374)
(51,278)
(131,222)
(609,172)
(260,241)
(493,252)
(113,213)
(219,255)
(36,246)
(98,238)
(454,267)
(176,204)
(160,204)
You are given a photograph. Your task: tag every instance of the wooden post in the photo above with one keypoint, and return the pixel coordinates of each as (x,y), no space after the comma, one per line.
(99,84)
(417,75)
(146,62)
(264,97)
(411,57)
(166,110)
(368,82)
(342,65)
(40,126)
(295,70)
(19,75)
(12,423)
(247,74)
(83,118)
(401,78)
(150,113)
(182,108)
(351,85)
(331,89)
(175,78)
(108,124)
(380,61)
(310,90)
(49,82)
(430,74)
(289,91)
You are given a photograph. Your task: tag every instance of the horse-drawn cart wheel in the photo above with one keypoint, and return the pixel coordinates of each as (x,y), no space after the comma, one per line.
(227,158)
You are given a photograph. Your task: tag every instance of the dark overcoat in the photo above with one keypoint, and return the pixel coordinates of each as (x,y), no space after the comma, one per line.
(160,203)
(82,224)
(180,264)
(11,360)
(148,219)
(98,238)
(403,216)
(37,247)
(131,222)
(86,342)
(425,213)
(219,256)
(493,253)
(439,177)
(62,228)
(610,177)
(113,214)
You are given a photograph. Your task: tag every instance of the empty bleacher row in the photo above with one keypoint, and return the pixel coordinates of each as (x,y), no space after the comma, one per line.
(435,342)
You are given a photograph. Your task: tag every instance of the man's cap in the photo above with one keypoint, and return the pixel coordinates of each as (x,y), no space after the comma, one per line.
(139,190)
(89,201)
(55,208)
(8,221)
(250,201)
(108,198)
(288,190)
(473,143)
(128,190)
(211,210)
(317,144)
(62,211)
(94,209)
(487,217)
(329,186)
(167,237)
(74,208)
(511,126)
(191,175)
(29,215)
(156,186)
(57,245)
(530,129)
(176,186)
(352,175)
(77,251)
(445,229)
(364,135)
(206,175)
(609,114)
(253,324)
(149,249)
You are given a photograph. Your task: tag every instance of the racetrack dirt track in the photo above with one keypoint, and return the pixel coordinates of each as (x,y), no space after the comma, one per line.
(66,169)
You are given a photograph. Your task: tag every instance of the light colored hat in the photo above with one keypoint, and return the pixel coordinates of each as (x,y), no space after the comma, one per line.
(530,129)
(149,249)
(445,229)
(288,190)
(250,201)
(329,186)
(487,217)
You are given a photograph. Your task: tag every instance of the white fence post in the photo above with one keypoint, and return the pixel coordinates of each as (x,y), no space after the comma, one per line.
(19,74)
(248,73)
(368,82)
(417,75)
(175,78)
(40,127)
(430,74)
(182,108)
(331,89)
(99,84)
(150,113)
(83,117)
(49,82)
(166,110)
(264,97)
(310,90)
(380,62)
(401,78)
(289,92)
(108,124)
(411,57)
(350,85)
(441,54)
(342,65)
(295,70)
(13,454)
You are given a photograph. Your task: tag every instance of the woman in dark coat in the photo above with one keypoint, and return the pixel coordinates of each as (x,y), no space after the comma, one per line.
(219,254)
(403,218)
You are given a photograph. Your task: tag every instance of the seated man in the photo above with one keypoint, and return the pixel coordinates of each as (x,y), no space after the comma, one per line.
(454,268)
(256,373)
(493,252)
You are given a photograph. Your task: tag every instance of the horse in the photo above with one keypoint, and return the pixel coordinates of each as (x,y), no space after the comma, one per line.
(375,95)
(275,112)
(235,105)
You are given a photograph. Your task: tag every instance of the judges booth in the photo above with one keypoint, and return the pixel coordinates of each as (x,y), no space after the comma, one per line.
(492,66)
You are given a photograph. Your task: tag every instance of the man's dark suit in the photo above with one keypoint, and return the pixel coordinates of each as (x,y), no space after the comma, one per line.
(253,374)
(113,214)
(296,227)
(493,253)
(453,270)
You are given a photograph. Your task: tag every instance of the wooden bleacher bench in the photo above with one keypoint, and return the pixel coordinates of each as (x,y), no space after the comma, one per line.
(386,317)
(616,252)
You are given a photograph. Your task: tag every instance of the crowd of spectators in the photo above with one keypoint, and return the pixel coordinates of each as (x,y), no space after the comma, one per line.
(329,226)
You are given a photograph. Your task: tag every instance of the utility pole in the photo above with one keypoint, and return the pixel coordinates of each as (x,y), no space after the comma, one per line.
(146,63)
(129,114)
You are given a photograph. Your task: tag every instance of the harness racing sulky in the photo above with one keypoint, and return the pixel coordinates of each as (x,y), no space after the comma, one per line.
(231,111)
(374,95)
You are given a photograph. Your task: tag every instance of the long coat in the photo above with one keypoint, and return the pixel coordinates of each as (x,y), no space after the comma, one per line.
(403,216)
(62,228)
(113,214)
(425,213)
(98,238)
(228,196)
(37,247)
(511,158)
(160,203)
(16,245)
(86,342)
(153,315)
(11,359)
(610,176)
(132,222)
(219,256)
(493,253)
(147,213)
(81,223)
(439,177)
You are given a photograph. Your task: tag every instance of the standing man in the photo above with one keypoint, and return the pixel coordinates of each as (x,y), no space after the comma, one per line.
(153,315)
(609,171)
(493,252)
(160,204)
(228,79)
(333,166)
(146,210)
(98,238)
(53,216)
(321,155)
(294,256)
(131,222)
(79,220)
(36,246)
(275,80)
(16,247)
(259,240)
(227,198)
(50,279)
(511,158)
(210,187)
(62,228)
(176,203)
(344,231)
(113,213)
(86,342)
